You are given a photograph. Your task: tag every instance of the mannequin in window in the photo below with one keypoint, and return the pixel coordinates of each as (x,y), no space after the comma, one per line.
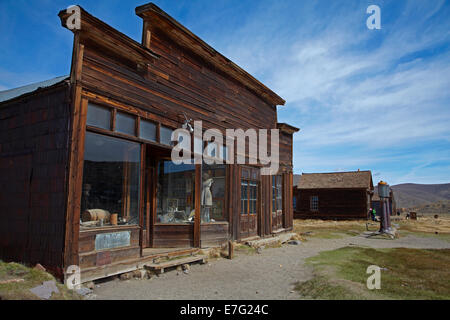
(206,197)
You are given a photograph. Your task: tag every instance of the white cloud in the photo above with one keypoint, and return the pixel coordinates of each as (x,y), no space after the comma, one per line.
(347,86)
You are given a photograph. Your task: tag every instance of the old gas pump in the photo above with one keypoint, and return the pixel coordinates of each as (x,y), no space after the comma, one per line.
(385,217)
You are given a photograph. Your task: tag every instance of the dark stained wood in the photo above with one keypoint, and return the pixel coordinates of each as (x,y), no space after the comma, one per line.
(89,256)
(214,234)
(340,204)
(170,74)
(142,204)
(33,156)
(197,217)
(173,236)
(78,130)
(158,19)
(75,162)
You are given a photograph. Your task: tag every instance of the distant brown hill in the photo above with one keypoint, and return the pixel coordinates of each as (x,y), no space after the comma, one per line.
(440,207)
(411,195)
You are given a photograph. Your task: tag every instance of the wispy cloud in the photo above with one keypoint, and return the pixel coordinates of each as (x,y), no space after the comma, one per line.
(368,99)
(359,95)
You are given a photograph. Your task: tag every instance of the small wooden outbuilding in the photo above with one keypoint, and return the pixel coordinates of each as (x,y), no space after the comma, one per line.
(86,176)
(334,195)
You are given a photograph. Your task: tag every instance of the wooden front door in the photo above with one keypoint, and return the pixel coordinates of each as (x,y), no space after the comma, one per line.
(277,203)
(249,208)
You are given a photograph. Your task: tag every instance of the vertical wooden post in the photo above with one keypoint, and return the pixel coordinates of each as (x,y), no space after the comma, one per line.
(146,35)
(198,195)
(142,188)
(75,181)
(237,201)
(78,116)
(230,250)
(153,177)
(148,204)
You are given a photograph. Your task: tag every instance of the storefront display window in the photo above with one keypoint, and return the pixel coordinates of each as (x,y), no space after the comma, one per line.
(175,196)
(213,193)
(111,174)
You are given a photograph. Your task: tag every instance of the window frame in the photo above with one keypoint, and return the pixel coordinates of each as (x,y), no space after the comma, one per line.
(248,197)
(139,185)
(314,203)
(277,193)
(112,131)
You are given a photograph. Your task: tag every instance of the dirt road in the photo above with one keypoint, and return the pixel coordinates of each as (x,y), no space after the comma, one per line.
(269,275)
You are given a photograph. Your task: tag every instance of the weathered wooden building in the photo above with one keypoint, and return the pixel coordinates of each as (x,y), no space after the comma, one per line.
(86,176)
(335,195)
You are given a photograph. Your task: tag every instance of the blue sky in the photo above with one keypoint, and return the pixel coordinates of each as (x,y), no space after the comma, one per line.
(364,99)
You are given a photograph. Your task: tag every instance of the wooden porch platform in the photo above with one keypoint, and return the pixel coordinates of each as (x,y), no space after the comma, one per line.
(150,256)
(149,252)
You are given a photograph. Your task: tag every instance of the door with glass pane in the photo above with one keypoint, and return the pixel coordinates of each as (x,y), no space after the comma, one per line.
(249,208)
(277,203)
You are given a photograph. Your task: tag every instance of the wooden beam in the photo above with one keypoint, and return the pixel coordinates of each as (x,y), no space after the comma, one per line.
(146,35)
(75,180)
(74,177)
(153,174)
(198,195)
(142,205)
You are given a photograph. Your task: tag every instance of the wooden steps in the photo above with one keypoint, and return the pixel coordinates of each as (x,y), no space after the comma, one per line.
(159,267)
(151,258)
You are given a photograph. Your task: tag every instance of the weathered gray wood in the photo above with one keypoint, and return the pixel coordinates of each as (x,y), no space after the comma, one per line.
(173,263)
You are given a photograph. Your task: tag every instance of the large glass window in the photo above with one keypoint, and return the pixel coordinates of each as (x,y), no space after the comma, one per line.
(277,195)
(213,193)
(99,117)
(110,181)
(175,197)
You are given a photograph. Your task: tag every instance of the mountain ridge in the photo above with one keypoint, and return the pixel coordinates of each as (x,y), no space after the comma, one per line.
(411,195)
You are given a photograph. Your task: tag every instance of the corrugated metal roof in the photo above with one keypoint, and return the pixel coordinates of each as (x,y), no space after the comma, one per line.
(17,92)
(332,180)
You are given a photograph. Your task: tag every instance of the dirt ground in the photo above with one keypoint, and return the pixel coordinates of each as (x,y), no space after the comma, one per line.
(271,274)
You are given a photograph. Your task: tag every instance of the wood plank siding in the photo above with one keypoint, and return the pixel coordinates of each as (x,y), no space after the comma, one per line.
(171,75)
(34,133)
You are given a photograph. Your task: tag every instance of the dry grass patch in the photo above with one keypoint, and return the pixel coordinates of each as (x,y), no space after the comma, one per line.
(406,274)
(326,229)
(16,280)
